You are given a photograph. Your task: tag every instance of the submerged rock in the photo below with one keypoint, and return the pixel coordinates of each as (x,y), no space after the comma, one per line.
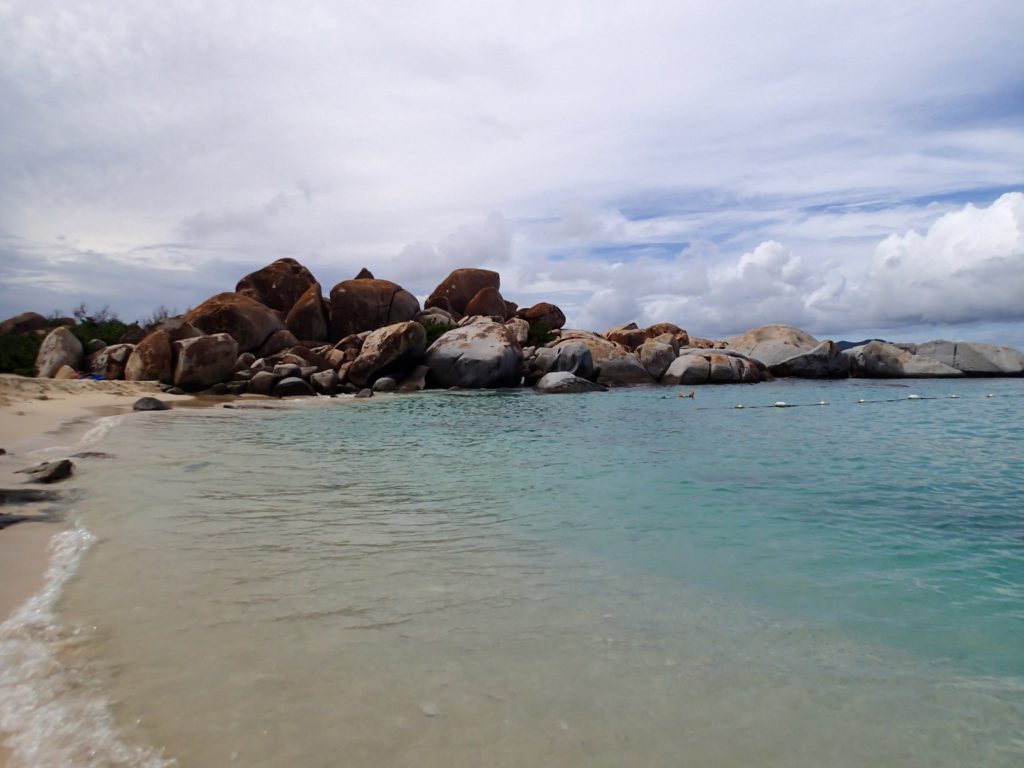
(49,471)
(150,404)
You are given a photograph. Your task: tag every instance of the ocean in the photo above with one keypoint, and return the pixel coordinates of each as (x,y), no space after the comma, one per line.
(508,579)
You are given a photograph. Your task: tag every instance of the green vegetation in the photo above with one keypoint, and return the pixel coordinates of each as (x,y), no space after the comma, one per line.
(18,353)
(539,335)
(436,330)
(103,325)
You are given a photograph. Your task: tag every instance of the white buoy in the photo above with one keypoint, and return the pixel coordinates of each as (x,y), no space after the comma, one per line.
(822,402)
(862,401)
(913,397)
(989,395)
(780,404)
(954,397)
(739,407)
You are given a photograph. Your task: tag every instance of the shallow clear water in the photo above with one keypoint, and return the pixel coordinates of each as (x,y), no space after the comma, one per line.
(511,579)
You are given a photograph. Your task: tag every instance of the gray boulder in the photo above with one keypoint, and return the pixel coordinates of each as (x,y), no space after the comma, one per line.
(480,355)
(825,361)
(656,356)
(110,361)
(393,349)
(415,381)
(60,347)
(293,386)
(262,383)
(150,404)
(714,366)
(384,384)
(569,356)
(773,343)
(617,366)
(880,360)
(325,382)
(563,383)
(975,359)
(49,471)
(203,361)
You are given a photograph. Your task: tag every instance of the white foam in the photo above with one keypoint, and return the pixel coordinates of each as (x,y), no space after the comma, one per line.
(55,716)
(93,435)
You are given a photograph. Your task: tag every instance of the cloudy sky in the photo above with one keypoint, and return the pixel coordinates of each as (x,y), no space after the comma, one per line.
(854,168)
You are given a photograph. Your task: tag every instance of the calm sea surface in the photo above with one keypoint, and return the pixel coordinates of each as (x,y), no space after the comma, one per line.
(471,579)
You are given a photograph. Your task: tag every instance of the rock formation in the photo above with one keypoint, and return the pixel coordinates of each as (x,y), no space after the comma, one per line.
(368,304)
(480,355)
(459,288)
(247,321)
(60,347)
(278,285)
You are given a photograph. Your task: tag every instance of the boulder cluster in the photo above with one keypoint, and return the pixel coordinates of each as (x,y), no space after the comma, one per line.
(277,334)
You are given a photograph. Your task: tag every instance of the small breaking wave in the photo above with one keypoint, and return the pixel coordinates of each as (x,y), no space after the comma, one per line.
(93,435)
(53,714)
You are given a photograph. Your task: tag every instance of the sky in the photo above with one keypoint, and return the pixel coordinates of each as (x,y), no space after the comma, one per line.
(852,168)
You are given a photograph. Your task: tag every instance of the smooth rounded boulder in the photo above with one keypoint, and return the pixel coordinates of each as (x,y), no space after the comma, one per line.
(698,366)
(393,349)
(487,303)
(973,358)
(151,359)
(278,285)
(773,343)
(293,386)
(150,404)
(565,383)
(825,361)
(110,361)
(458,289)
(629,336)
(543,314)
(656,356)
(204,361)
(368,304)
(26,322)
(60,347)
(881,360)
(308,319)
(480,355)
(246,320)
(616,365)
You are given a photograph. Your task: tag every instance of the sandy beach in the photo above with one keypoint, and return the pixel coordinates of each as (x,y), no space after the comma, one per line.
(36,414)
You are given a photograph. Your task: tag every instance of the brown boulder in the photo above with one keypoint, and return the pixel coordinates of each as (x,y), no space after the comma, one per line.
(459,288)
(544,314)
(278,342)
(246,320)
(629,336)
(308,319)
(390,350)
(618,366)
(278,285)
(204,361)
(26,322)
(487,303)
(366,305)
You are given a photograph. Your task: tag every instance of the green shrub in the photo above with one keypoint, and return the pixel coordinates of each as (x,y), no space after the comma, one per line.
(436,330)
(539,335)
(18,353)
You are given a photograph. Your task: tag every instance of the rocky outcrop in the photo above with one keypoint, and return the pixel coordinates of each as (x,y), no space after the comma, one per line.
(308,319)
(369,304)
(459,288)
(110,361)
(480,355)
(544,315)
(880,360)
(393,349)
(487,303)
(698,366)
(617,366)
(656,356)
(26,322)
(278,285)
(629,336)
(773,343)
(825,361)
(204,361)
(60,347)
(564,383)
(973,358)
(246,320)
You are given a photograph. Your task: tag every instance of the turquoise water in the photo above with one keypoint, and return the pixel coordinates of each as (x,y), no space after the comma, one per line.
(501,578)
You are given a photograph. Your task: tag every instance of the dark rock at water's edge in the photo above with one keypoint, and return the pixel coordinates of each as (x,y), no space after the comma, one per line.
(150,404)
(49,471)
(13,496)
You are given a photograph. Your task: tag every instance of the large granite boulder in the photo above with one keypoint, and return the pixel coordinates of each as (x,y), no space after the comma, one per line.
(629,336)
(480,355)
(698,366)
(617,366)
(110,361)
(564,383)
(825,361)
(293,386)
(393,349)
(278,285)
(178,329)
(975,359)
(278,341)
(459,288)
(26,322)
(368,304)
(487,303)
(309,319)
(571,356)
(880,360)
(204,361)
(520,329)
(151,359)
(773,343)
(656,356)
(246,320)
(60,347)
(543,314)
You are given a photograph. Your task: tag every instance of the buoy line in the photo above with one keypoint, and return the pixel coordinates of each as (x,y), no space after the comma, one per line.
(861,401)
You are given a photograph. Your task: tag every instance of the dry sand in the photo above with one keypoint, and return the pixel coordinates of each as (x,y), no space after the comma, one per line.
(35,414)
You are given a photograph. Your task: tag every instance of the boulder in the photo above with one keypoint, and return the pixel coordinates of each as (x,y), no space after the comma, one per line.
(366,305)
(656,356)
(278,341)
(688,369)
(572,356)
(480,355)
(825,361)
(278,285)
(697,366)
(975,359)
(49,471)
(520,329)
(415,381)
(773,343)
(26,322)
(325,382)
(880,360)
(617,366)
(293,386)
(308,319)
(178,329)
(244,362)
(563,382)
(94,345)
(204,361)
(364,274)
(459,288)
(288,370)
(363,393)
(150,404)
(653,331)
(110,361)
(435,315)
(246,320)
(629,336)
(385,384)
(543,314)
(487,303)
(262,383)
(392,349)
(66,372)
(151,359)
(60,347)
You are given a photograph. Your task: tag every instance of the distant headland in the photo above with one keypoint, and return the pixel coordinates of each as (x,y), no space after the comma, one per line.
(277,334)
